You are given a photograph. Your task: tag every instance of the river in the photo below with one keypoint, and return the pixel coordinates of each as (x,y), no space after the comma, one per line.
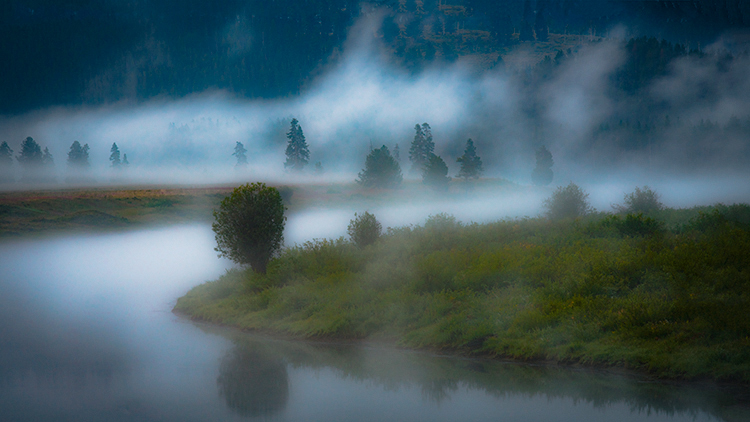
(87,334)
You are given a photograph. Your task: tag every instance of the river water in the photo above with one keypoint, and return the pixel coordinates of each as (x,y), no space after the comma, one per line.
(87,334)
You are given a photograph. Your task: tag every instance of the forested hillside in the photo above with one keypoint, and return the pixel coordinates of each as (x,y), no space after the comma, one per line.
(90,51)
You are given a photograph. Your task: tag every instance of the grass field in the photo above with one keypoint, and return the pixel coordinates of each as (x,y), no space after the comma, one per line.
(667,295)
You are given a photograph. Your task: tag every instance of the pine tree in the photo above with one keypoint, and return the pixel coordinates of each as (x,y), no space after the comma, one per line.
(471,165)
(542,174)
(6,162)
(381,170)
(422,147)
(47,160)
(78,156)
(239,152)
(397,153)
(31,154)
(297,153)
(125,161)
(435,173)
(114,156)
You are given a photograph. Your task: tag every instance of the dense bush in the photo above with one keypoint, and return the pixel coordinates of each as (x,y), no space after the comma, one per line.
(643,201)
(567,202)
(364,229)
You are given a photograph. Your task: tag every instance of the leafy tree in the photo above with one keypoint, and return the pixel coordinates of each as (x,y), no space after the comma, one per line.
(6,162)
(422,147)
(471,165)
(542,174)
(249,225)
(239,152)
(435,173)
(78,156)
(381,170)
(114,156)
(567,202)
(297,153)
(364,230)
(640,201)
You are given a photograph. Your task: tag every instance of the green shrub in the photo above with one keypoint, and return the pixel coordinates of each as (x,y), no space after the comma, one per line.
(640,201)
(364,229)
(567,202)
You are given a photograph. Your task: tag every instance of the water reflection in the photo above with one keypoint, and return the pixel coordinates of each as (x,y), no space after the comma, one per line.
(443,383)
(253,380)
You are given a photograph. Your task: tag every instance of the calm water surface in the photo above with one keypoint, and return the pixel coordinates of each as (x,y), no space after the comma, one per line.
(87,334)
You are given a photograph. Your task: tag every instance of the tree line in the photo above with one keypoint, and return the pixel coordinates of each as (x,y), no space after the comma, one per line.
(38,165)
(383,169)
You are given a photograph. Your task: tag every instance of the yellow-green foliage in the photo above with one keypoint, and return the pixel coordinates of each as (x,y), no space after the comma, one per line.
(667,297)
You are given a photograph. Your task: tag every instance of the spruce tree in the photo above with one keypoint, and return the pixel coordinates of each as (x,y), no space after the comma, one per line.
(471,165)
(31,154)
(6,162)
(422,147)
(397,153)
(125,161)
(381,170)
(435,173)
(78,156)
(239,152)
(114,156)
(297,153)
(542,174)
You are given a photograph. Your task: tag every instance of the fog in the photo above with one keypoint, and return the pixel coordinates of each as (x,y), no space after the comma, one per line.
(362,100)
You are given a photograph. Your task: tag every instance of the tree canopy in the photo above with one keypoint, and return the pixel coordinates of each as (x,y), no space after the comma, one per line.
(297,153)
(249,225)
(381,170)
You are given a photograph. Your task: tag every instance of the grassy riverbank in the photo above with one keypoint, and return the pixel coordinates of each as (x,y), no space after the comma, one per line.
(668,296)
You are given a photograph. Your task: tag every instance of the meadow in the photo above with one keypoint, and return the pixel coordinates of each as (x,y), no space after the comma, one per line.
(666,293)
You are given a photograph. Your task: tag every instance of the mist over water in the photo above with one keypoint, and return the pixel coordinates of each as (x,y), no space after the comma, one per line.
(364,101)
(87,334)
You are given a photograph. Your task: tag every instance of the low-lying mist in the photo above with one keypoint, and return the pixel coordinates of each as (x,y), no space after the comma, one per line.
(364,101)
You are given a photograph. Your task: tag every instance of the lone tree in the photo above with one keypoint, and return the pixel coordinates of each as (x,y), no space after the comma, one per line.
(381,170)
(6,163)
(435,173)
(471,165)
(239,152)
(421,148)
(78,156)
(297,153)
(364,229)
(249,225)
(542,174)
(568,202)
(643,201)
(114,156)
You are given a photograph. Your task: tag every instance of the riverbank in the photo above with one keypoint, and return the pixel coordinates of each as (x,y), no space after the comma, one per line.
(669,298)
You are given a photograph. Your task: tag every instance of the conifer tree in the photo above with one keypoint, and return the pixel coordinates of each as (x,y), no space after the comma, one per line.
(542,174)
(239,152)
(297,153)
(47,160)
(125,161)
(6,162)
(78,156)
(114,156)
(471,165)
(381,170)
(422,147)
(31,154)
(435,173)
(397,153)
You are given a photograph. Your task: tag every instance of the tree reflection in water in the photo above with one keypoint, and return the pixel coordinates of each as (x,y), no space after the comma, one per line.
(252,380)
